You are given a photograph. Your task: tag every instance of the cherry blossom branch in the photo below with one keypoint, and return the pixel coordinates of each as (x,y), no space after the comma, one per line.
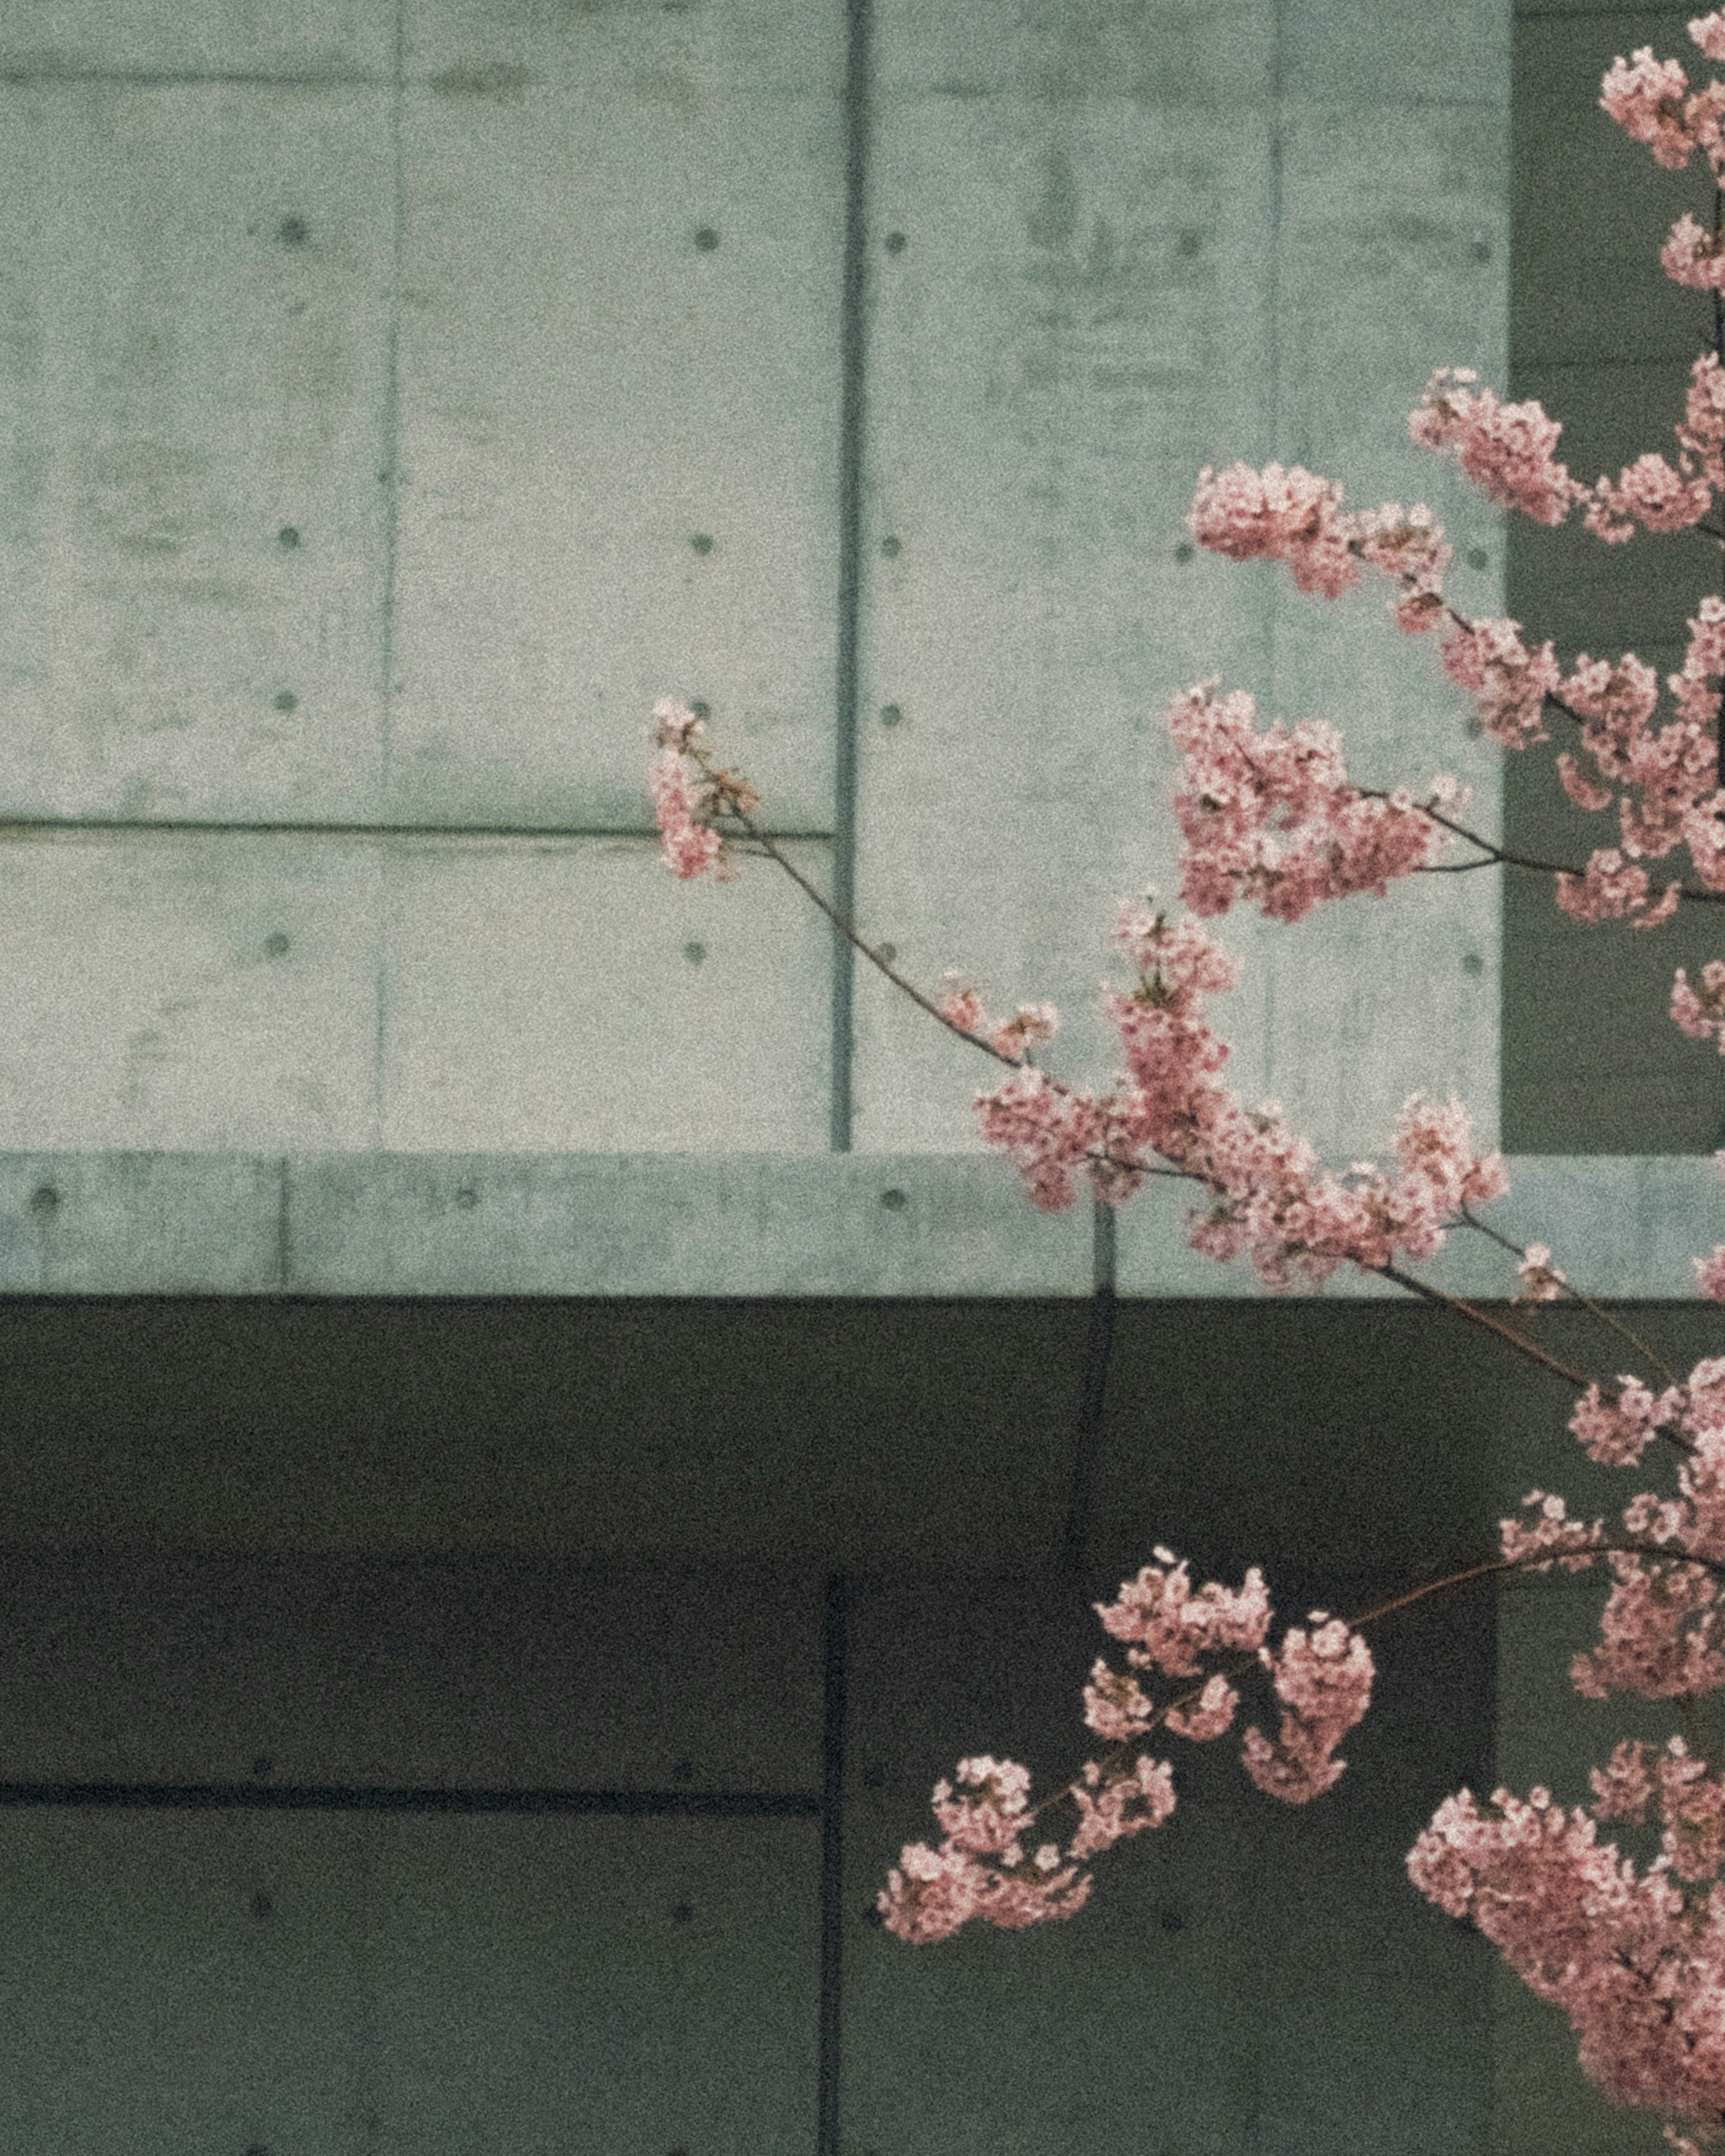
(769,847)
(1474,1316)
(1471,1219)
(1248,1661)
(1502,856)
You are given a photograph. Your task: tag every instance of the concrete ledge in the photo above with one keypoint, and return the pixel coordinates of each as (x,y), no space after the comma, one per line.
(746,1225)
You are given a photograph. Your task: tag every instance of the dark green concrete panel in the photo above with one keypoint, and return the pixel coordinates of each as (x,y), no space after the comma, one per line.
(412,1672)
(1591,208)
(1247,1976)
(1592,1062)
(1564,584)
(800,1435)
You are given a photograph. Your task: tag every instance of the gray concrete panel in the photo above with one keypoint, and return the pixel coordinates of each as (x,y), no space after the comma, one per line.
(214,994)
(209,1981)
(1368,51)
(1157,53)
(1075,323)
(1367,1003)
(225,992)
(627,1985)
(676,53)
(191,375)
(619,353)
(636,1225)
(492,1674)
(160,2007)
(319,39)
(651,1224)
(575,997)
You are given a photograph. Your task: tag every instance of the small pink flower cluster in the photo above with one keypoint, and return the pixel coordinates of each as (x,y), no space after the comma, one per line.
(1651,100)
(1613,889)
(681,799)
(1029,1024)
(1542,1282)
(1271,1200)
(1635,1960)
(1271,817)
(1700,1012)
(1278,515)
(1662,1634)
(1505,450)
(981,1868)
(1322,1679)
(1617,1432)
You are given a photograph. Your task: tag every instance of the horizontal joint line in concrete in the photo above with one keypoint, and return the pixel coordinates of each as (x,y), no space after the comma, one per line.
(17,78)
(1595,363)
(198,827)
(339,1797)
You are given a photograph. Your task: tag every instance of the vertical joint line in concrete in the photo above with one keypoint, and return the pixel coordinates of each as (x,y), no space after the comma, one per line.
(1272,299)
(1093,1396)
(390,476)
(832,1865)
(853,339)
(391,482)
(284,1224)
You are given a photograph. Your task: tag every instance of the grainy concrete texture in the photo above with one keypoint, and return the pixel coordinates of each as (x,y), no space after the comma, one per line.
(533,1431)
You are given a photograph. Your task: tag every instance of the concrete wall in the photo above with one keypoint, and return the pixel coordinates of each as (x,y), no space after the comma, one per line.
(397,398)
(1602,336)
(400,398)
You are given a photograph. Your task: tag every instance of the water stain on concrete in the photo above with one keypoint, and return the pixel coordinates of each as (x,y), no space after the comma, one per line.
(490,82)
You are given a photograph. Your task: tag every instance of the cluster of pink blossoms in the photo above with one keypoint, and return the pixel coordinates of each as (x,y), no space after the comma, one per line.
(1322,1681)
(1636,1960)
(1270,1199)
(1272,818)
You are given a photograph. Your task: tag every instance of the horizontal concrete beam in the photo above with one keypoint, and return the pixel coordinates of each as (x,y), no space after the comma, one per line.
(742,1225)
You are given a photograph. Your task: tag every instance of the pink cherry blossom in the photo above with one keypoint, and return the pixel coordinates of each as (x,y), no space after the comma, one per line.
(1648,100)
(1211,1715)
(1048,1131)
(1617,1432)
(1651,493)
(690,846)
(1694,256)
(1505,450)
(1615,890)
(1580,788)
(1029,1024)
(1507,682)
(1700,1012)
(1623,1789)
(1542,1282)
(1323,1680)
(1710,1273)
(1171,1626)
(1636,1960)
(1701,429)
(930,1894)
(1112,1807)
(1115,1705)
(1276,514)
(980,1869)
(1550,1537)
(1709,31)
(1270,816)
